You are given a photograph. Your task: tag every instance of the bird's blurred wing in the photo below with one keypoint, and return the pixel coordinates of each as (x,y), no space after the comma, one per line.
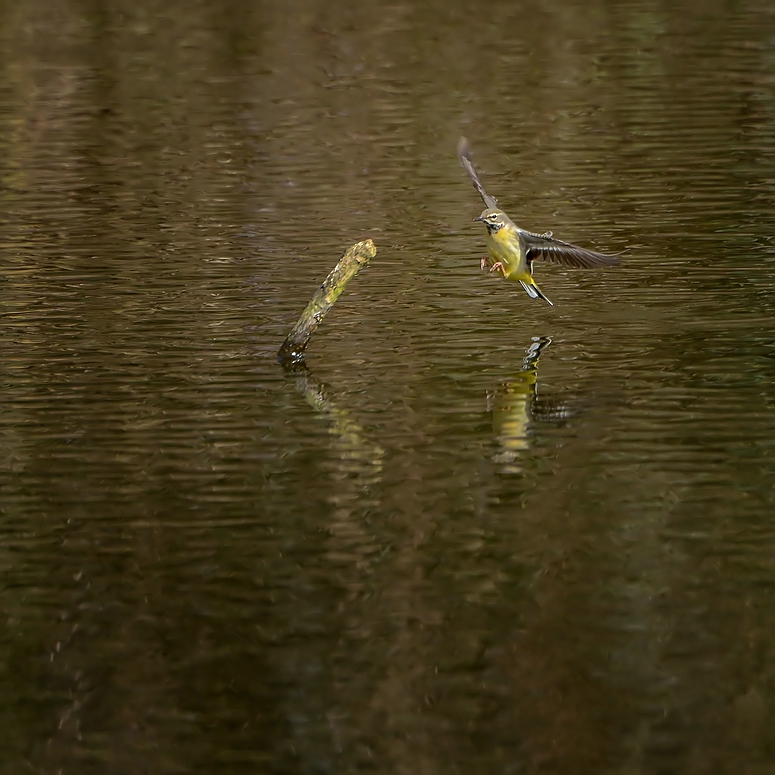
(546,247)
(464,152)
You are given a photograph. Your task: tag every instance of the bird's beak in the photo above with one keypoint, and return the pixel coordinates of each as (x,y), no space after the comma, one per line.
(479,218)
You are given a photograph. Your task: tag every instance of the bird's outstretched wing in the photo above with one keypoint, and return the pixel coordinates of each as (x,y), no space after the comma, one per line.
(548,248)
(464,152)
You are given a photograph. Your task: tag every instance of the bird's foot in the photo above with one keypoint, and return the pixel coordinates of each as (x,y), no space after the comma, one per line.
(484,262)
(496,266)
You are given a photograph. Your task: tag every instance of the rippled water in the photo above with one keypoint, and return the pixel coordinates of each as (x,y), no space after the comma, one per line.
(476,534)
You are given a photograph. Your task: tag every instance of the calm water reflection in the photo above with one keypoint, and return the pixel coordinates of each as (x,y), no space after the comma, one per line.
(478,534)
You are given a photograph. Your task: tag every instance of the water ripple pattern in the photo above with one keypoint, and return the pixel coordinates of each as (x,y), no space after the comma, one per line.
(477,534)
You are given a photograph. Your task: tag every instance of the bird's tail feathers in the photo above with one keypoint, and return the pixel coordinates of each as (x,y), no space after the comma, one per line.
(534,292)
(528,289)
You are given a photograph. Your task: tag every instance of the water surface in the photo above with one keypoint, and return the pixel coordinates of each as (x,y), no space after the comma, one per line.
(479,534)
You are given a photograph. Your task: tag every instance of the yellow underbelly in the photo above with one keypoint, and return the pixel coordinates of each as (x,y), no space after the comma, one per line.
(508,251)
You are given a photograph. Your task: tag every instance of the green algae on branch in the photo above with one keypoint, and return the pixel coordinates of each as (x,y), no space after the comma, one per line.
(353,260)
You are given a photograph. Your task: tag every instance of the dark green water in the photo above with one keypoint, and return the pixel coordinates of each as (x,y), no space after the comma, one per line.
(481,534)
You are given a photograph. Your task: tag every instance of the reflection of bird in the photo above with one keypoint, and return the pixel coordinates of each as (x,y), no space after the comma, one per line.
(513,250)
(512,408)
(516,407)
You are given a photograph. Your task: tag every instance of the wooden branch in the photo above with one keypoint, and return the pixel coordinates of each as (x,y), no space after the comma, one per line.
(353,260)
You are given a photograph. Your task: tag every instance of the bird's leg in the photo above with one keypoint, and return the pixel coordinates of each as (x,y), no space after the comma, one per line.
(498,265)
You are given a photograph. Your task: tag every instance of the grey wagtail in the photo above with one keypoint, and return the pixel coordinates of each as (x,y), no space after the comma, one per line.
(513,250)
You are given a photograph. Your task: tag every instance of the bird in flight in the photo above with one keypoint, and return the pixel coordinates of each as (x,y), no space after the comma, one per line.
(512,250)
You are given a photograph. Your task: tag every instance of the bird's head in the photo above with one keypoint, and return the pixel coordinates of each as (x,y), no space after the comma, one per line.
(493,219)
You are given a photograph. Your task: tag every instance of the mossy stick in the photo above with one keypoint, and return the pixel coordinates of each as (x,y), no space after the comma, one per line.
(353,260)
